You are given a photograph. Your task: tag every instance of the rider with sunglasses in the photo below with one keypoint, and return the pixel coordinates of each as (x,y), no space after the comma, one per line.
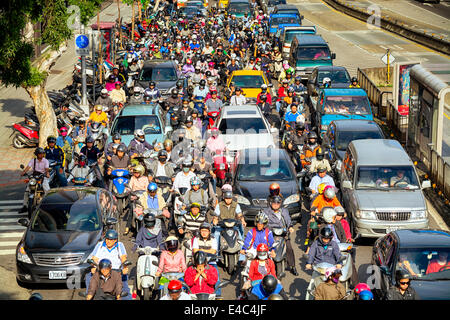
(402,290)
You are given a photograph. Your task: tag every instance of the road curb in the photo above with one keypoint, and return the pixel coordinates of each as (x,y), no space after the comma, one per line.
(395,26)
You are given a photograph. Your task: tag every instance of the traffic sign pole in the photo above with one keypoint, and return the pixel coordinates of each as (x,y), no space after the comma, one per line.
(387,66)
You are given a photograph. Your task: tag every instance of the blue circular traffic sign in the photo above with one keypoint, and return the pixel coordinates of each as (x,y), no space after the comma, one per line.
(82,41)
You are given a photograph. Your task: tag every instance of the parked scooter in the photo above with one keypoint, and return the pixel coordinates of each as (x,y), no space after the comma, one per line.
(25,135)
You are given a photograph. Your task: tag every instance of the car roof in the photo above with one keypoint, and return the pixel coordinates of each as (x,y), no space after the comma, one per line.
(139,109)
(379,152)
(330,68)
(69,195)
(234,1)
(285,6)
(356,125)
(310,39)
(247,73)
(159,62)
(283,15)
(344,92)
(422,238)
(265,152)
(244,111)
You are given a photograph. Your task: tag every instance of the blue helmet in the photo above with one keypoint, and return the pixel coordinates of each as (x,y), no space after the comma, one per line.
(111,234)
(152,186)
(366,295)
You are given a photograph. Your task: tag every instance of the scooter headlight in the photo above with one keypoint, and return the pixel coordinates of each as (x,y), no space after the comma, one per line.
(33,182)
(292,199)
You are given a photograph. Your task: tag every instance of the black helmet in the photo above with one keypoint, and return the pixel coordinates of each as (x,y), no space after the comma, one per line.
(122,148)
(205,225)
(300,126)
(269,283)
(401,274)
(228,195)
(105,264)
(116,136)
(320,154)
(202,83)
(174,93)
(162,154)
(200,258)
(51,139)
(312,135)
(326,233)
(111,234)
(152,84)
(149,220)
(354,79)
(171,244)
(89,140)
(39,150)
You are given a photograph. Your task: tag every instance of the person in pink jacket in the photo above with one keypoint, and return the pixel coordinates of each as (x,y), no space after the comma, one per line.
(201,277)
(172,259)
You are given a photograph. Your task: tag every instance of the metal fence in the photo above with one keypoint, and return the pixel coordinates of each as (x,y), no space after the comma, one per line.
(397,122)
(440,173)
(378,99)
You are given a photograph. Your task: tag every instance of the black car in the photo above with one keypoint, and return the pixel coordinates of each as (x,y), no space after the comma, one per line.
(189,12)
(421,249)
(62,233)
(254,170)
(339,77)
(163,72)
(341,132)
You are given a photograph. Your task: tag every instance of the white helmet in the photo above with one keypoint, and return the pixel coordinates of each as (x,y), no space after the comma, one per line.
(139,133)
(326,80)
(328,214)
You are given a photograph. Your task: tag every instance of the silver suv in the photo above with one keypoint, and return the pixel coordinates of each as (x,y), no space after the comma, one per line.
(381,189)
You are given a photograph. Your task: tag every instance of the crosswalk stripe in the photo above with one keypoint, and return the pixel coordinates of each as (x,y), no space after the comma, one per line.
(11,201)
(7,252)
(14,214)
(11,235)
(9,220)
(12,228)
(9,243)
(10,207)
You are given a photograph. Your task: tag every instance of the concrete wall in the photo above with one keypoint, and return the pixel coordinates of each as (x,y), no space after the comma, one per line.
(379,76)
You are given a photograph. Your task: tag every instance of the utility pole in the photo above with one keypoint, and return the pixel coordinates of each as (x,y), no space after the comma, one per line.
(83,76)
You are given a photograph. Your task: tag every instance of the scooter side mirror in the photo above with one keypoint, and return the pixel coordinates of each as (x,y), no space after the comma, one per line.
(22,166)
(155,263)
(24,222)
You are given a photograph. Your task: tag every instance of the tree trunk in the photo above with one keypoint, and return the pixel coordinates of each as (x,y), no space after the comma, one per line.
(140,10)
(120,26)
(132,23)
(44,110)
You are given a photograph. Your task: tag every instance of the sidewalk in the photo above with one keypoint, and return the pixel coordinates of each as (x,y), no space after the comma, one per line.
(9,289)
(14,102)
(410,15)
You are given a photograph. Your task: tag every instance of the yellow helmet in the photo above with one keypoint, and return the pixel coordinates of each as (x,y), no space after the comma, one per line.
(321,188)
(139,168)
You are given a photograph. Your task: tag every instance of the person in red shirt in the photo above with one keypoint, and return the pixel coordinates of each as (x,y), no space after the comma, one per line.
(262,265)
(201,277)
(283,90)
(266,92)
(439,264)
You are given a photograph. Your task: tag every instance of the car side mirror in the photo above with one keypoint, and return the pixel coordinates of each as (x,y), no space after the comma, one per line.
(333,56)
(24,222)
(426,184)
(347,184)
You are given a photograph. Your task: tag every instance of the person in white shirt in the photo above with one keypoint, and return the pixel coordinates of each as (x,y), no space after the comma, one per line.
(183,178)
(238,99)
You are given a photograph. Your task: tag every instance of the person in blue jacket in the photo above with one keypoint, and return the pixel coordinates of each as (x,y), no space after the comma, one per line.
(257,235)
(263,289)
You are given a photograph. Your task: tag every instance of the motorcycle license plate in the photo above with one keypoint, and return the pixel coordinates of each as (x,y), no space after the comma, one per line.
(222,166)
(57,275)
(390,229)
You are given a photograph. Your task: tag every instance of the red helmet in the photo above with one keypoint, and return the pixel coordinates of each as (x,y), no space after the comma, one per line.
(262,251)
(274,189)
(361,287)
(188,61)
(175,286)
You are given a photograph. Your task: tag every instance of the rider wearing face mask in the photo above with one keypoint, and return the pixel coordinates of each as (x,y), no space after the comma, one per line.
(309,149)
(137,96)
(331,289)
(183,178)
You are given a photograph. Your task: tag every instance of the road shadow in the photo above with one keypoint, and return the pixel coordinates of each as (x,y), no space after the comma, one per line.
(297,289)
(15,107)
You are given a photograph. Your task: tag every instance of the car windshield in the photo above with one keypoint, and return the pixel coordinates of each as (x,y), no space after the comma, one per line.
(345,137)
(313,53)
(272,3)
(242,126)
(276,21)
(347,105)
(425,264)
(248,81)
(158,74)
(387,178)
(336,76)
(289,36)
(191,10)
(239,7)
(264,170)
(80,215)
(126,125)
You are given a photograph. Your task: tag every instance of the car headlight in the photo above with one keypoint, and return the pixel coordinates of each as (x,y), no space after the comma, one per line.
(419,214)
(292,199)
(366,214)
(243,200)
(22,255)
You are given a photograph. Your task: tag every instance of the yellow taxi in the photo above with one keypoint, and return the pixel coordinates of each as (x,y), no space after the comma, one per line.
(223,4)
(250,81)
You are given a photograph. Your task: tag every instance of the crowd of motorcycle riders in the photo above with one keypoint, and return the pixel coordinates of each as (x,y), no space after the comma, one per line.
(175,194)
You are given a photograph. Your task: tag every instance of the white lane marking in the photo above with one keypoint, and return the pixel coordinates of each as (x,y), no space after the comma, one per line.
(9,243)
(11,235)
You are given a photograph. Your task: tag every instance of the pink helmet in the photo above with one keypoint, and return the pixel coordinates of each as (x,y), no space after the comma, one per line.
(330,271)
(63,131)
(211,64)
(226,187)
(361,287)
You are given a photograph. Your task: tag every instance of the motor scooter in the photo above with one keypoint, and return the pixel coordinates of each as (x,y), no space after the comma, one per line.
(36,190)
(146,268)
(25,135)
(120,180)
(230,244)
(319,271)
(212,116)
(221,169)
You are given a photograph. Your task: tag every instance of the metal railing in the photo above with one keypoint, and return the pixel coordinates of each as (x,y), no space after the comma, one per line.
(378,99)
(396,122)
(439,172)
